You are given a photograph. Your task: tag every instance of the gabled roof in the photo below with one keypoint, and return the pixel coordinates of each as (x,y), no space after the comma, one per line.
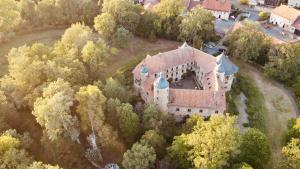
(217,5)
(224,65)
(286,12)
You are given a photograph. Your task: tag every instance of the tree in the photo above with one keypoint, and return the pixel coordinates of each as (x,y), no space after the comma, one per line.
(292,153)
(105,25)
(244,2)
(263,15)
(9,15)
(114,89)
(210,144)
(28,12)
(243,166)
(139,157)
(11,156)
(122,37)
(191,122)
(128,122)
(53,110)
(4,107)
(152,118)
(90,107)
(178,152)
(197,27)
(77,35)
(169,17)
(284,62)
(155,140)
(255,149)
(93,55)
(111,111)
(40,165)
(249,44)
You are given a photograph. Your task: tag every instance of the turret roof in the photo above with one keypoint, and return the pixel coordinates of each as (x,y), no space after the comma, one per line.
(224,65)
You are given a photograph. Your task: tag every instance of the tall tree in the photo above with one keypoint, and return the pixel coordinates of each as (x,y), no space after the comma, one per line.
(105,25)
(53,110)
(90,107)
(255,149)
(197,27)
(128,122)
(114,89)
(77,35)
(211,143)
(152,118)
(155,140)
(10,14)
(139,157)
(249,44)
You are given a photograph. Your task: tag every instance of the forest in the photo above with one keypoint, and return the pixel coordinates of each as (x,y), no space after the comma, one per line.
(60,109)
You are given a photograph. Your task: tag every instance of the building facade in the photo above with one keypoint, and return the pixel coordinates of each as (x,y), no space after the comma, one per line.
(152,78)
(219,8)
(286,18)
(294,3)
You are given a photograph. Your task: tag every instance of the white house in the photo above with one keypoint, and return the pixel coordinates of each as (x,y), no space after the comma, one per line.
(153,76)
(219,8)
(294,3)
(286,18)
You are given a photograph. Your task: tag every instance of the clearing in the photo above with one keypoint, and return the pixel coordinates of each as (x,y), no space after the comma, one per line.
(280,106)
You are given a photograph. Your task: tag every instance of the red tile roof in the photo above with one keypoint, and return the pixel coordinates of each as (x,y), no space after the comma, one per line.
(197,99)
(296,24)
(217,5)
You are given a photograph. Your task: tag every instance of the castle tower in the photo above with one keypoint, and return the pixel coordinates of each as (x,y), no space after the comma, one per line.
(225,71)
(161,93)
(144,72)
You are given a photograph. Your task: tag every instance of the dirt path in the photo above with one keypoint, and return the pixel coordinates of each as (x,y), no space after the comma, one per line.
(280,108)
(47,37)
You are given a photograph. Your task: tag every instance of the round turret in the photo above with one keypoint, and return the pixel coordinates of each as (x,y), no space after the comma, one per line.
(161,92)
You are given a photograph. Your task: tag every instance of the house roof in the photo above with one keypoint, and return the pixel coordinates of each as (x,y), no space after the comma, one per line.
(225,65)
(217,5)
(286,12)
(197,99)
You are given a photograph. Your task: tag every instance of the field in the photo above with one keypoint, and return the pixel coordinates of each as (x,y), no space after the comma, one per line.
(280,107)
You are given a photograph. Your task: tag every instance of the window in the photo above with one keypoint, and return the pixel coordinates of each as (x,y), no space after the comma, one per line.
(167,76)
(207,78)
(176,67)
(200,110)
(208,83)
(189,110)
(176,73)
(172,69)
(167,70)
(177,109)
(155,75)
(209,87)
(182,71)
(216,111)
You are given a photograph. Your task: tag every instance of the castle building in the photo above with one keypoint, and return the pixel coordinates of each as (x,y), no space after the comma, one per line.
(213,76)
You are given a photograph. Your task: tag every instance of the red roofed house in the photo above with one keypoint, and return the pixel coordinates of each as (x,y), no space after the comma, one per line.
(286,18)
(214,74)
(219,8)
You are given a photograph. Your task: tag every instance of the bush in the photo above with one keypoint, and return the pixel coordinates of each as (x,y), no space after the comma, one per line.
(244,2)
(263,16)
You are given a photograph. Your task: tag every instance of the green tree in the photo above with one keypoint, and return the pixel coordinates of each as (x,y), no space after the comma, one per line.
(114,89)
(53,110)
(249,44)
(284,62)
(243,166)
(155,140)
(139,157)
(4,107)
(111,111)
(255,149)
(77,35)
(105,25)
(128,122)
(122,37)
(178,152)
(93,55)
(9,15)
(197,27)
(169,19)
(211,143)
(152,118)
(90,107)
(191,122)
